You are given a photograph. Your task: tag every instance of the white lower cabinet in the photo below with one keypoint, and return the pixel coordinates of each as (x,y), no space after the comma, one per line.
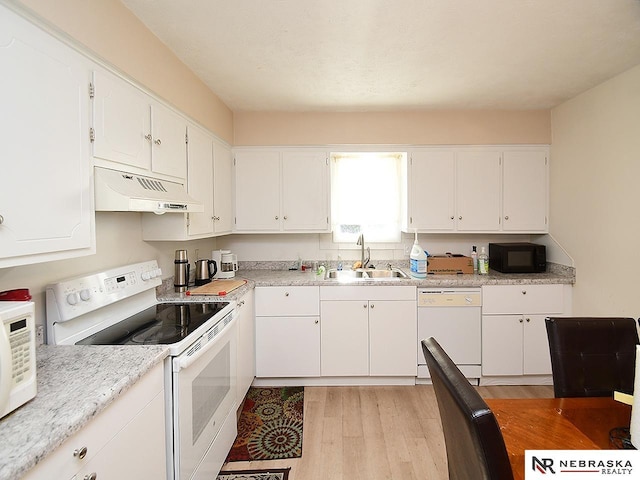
(368,331)
(125,441)
(514,336)
(246,364)
(287,331)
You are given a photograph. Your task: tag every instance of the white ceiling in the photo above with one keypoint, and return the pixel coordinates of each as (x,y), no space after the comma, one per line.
(376,55)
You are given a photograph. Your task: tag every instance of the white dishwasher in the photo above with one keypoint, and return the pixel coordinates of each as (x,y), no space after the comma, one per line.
(453,317)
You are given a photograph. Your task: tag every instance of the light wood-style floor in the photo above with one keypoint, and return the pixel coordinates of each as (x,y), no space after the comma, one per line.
(375,433)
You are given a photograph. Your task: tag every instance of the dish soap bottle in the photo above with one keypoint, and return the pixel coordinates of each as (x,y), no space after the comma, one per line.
(483,262)
(474,258)
(418,259)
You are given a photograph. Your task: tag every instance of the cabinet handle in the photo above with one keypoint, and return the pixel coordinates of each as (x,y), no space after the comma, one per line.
(157,141)
(316,321)
(460,217)
(372,305)
(277,217)
(1,219)
(364,306)
(524,292)
(286,294)
(91,476)
(148,137)
(285,217)
(506,217)
(452,217)
(528,320)
(80,452)
(521,321)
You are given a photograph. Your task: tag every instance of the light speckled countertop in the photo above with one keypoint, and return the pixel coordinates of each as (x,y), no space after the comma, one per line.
(75,383)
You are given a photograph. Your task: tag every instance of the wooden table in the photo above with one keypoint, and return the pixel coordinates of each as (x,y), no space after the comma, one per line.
(556,424)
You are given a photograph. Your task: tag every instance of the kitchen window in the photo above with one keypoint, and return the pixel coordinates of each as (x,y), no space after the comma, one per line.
(366,195)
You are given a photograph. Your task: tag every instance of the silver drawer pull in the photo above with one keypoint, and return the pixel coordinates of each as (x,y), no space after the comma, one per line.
(91,476)
(80,452)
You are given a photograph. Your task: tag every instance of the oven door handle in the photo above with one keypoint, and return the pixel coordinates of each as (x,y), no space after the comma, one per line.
(183,361)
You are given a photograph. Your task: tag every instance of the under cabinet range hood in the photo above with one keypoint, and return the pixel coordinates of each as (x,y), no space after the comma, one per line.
(118,191)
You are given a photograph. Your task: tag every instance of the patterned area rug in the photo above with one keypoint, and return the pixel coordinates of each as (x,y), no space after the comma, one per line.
(270,425)
(273,474)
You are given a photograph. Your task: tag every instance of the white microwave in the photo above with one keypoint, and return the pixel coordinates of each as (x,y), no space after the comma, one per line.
(17,355)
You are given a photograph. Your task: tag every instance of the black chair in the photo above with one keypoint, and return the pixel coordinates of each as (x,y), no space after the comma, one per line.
(474,443)
(592,356)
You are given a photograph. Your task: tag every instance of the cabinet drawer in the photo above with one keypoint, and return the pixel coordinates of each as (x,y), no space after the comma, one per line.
(283,301)
(513,299)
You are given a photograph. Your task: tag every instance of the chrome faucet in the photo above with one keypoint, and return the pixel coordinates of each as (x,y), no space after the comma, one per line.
(363,262)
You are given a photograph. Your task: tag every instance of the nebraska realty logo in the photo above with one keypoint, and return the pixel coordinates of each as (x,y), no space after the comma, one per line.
(581,464)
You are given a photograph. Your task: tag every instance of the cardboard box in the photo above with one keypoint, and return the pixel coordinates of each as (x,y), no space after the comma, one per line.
(450,264)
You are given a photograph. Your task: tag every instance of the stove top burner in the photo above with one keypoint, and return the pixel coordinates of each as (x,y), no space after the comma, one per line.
(162,324)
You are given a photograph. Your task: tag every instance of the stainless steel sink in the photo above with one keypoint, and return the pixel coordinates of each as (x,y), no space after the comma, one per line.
(364,274)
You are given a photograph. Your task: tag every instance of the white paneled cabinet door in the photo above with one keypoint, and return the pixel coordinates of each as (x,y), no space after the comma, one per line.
(222,191)
(478,187)
(122,121)
(432,190)
(200,180)
(525,186)
(288,346)
(344,338)
(502,346)
(168,152)
(392,333)
(46,181)
(305,204)
(536,356)
(257,191)
(246,364)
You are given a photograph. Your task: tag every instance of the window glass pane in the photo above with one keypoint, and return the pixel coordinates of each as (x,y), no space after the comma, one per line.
(366,196)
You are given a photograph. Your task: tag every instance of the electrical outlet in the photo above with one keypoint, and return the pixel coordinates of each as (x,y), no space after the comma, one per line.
(39,335)
(407,249)
(197,253)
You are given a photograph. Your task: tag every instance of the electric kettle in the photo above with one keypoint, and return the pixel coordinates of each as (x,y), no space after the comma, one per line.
(205,270)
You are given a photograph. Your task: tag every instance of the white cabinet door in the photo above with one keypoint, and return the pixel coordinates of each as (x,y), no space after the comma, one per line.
(200,180)
(344,338)
(432,190)
(137,451)
(246,364)
(525,187)
(257,191)
(305,205)
(502,345)
(169,149)
(122,121)
(46,188)
(536,356)
(392,336)
(287,346)
(478,191)
(222,189)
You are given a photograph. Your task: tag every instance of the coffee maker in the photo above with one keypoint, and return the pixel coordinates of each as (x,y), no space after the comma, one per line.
(227,263)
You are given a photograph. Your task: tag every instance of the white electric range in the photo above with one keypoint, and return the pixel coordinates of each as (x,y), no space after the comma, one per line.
(119,307)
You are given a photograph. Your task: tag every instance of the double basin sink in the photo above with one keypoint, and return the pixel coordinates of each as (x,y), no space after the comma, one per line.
(364,274)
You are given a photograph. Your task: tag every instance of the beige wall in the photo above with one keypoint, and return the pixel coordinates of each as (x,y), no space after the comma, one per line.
(595,174)
(110,30)
(468,127)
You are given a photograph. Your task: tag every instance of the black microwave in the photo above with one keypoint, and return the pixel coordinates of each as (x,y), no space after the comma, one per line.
(520,257)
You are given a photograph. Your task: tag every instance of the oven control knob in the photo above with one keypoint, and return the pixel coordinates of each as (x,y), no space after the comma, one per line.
(146,276)
(72,298)
(157,272)
(85,294)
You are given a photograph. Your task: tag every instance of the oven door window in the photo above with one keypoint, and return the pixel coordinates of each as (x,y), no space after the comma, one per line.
(203,395)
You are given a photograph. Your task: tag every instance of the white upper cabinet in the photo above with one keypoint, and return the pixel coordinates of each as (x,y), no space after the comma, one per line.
(133,129)
(46,187)
(209,182)
(281,191)
(222,191)
(480,189)
(525,191)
